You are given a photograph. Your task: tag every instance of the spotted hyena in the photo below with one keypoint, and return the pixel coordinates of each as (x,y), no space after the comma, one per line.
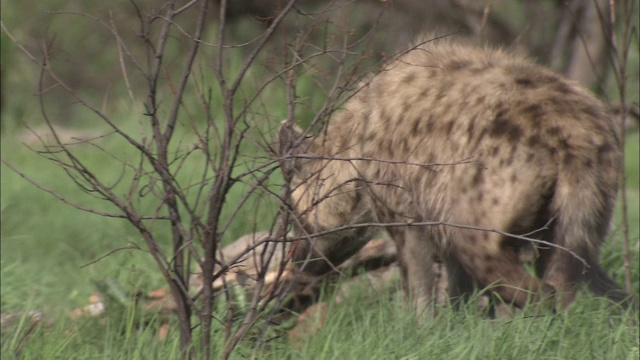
(469,138)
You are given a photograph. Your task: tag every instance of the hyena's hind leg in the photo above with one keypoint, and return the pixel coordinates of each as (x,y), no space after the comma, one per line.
(498,267)
(416,256)
(565,272)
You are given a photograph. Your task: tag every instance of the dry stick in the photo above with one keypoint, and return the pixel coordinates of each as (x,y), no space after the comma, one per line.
(275,289)
(620,57)
(173,117)
(216,197)
(444,223)
(176,285)
(282,292)
(254,187)
(226,161)
(467,160)
(180,236)
(266,37)
(139,146)
(27,335)
(130,247)
(210,237)
(123,66)
(161,166)
(132,216)
(71,203)
(254,308)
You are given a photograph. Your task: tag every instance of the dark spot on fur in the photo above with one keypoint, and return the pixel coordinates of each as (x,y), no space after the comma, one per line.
(448,128)
(552,131)
(592,112)
(533,141)
(370,135)
(479,138)
(503,127)
(478,178)
(525,82)
(472,240)
(568,158)
(385,117)
(514,178)
(605,149)
(548,79)
(533,110)
(430,124)
(367,117)
(459,64)
(470,128)
(415,126)
(495,201)
(487,258)
(530,157)
(477,69)
(494,151)
(489,270)
(564,106)
(405,108)
(409,78)
(480,196)
(562,88)
(563,143)
(390,148)
(441,94)
(588,163)
(405,146)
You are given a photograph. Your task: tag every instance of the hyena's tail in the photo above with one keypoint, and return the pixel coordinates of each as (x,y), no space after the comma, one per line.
(601,284)
(583,203)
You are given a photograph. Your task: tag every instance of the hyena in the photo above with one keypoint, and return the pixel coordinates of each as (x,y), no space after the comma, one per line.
(468,138)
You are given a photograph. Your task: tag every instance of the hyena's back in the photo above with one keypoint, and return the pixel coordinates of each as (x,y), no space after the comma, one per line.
(541,147)
(539,151)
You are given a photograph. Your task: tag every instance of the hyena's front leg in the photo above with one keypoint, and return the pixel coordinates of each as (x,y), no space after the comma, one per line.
(416,255)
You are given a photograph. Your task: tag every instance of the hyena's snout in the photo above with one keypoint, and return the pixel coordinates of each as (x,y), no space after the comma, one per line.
(318,256)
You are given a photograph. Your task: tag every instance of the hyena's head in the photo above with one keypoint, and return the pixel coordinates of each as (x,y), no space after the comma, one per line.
(327,199)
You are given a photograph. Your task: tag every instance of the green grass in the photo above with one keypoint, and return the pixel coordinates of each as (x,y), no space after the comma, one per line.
(45,245)
(376,328)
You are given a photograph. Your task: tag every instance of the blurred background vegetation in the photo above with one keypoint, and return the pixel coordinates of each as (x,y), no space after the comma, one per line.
(85,53)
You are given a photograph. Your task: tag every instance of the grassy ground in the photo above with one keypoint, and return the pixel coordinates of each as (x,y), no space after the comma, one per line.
(46,243)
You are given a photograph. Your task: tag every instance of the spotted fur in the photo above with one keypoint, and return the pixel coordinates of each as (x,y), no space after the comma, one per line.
(473,136)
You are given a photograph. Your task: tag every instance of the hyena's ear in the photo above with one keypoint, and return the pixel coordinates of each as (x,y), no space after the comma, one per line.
(289,138)
(291,142)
